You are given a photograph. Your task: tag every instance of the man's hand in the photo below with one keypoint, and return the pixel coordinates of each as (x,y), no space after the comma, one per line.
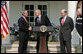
(30,28)
(50,33)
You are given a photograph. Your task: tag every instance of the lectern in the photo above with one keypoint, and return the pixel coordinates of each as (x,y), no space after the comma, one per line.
(43,29)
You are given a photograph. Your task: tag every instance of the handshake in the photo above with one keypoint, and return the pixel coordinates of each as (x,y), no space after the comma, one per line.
(30,28)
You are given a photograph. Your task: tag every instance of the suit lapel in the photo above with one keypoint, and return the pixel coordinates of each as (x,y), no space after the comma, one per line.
(41,19)
(61,20)
(24,20)
(66,19)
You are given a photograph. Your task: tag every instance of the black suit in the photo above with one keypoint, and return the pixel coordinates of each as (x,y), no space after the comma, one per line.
(65,34)
(44,21)
(23,35)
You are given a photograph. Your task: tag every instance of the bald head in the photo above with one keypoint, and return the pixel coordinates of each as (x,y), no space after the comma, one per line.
(38,12)
(25,13)
(63,12)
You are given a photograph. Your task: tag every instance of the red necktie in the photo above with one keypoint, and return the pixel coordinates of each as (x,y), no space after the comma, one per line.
(63,22)
(26,21)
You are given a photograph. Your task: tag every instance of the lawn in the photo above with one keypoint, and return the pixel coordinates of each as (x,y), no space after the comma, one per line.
(78,49)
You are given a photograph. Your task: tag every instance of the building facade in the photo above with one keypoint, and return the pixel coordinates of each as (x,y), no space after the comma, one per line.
(51,8)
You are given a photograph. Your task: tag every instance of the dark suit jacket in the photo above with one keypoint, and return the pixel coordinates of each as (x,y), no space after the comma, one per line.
(23,27)
(44,21)
(67,28)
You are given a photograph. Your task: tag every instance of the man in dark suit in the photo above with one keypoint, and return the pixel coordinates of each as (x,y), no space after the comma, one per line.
(41,20)
(67,26)
(23,32)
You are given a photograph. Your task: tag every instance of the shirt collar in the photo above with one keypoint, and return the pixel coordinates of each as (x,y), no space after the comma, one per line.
(39,16)
(65,17)
(23,17)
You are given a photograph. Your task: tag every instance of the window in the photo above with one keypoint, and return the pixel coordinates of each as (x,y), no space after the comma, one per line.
(30,9)
(43,9)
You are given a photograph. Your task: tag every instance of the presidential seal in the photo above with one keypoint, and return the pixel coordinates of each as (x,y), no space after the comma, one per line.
(43,28)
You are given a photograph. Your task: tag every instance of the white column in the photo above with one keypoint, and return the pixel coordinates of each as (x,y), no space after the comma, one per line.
(72,9)
(72,14)
(6,41)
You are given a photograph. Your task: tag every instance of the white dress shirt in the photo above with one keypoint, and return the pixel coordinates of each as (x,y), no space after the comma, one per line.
(39,18)
(64,19)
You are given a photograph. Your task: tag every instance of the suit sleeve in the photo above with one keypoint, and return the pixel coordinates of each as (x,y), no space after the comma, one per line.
(47,21)
(71,24)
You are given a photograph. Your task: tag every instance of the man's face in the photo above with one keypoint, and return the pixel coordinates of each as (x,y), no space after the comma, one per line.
(26,14)
(63,14)
(37,13)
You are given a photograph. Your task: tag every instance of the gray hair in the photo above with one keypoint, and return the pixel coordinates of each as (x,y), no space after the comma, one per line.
(24,11)
(38,10)
(65,11)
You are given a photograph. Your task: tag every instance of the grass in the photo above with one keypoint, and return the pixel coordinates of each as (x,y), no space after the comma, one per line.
(78,49)
(2,49)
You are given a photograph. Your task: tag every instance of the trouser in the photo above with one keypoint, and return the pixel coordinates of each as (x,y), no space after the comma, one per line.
(38,43)
(23,41)
(65,44)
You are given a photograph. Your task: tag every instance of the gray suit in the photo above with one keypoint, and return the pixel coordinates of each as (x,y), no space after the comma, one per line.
(65,34)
